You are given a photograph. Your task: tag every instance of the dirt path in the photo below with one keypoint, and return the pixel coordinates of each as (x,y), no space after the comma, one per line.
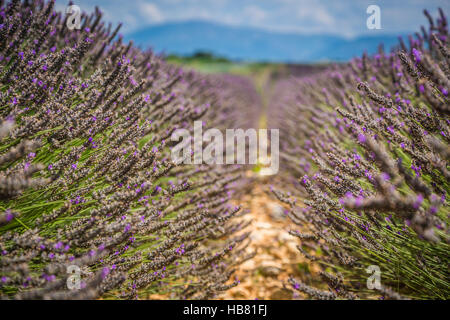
(265,275)
(277,257)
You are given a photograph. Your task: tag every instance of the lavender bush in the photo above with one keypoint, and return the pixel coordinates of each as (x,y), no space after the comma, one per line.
(370,143)
(86,181)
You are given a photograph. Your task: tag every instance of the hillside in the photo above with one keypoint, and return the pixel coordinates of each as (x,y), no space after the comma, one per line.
(250,44)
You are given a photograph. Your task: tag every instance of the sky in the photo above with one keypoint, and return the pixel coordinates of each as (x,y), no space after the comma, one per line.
(341,17)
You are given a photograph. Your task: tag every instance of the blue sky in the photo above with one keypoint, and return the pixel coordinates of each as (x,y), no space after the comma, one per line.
(344,17)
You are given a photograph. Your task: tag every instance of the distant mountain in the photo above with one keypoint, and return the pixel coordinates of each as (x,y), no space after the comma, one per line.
(251,44)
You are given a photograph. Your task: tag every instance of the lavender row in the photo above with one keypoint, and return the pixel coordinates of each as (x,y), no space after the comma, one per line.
(366,143)
(88,192)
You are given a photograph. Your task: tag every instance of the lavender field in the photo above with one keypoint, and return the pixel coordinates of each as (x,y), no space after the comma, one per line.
(92,205)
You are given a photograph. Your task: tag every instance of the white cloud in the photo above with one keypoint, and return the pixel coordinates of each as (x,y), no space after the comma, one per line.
(316,14)
(151,11)
(255,14)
